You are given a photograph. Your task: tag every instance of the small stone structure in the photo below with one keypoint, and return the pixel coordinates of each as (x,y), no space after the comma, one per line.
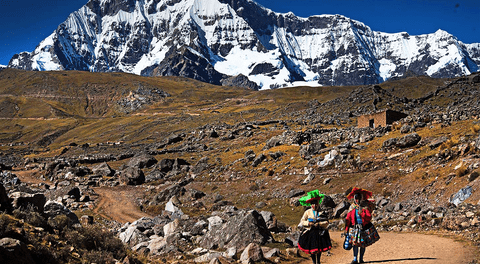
(379,119)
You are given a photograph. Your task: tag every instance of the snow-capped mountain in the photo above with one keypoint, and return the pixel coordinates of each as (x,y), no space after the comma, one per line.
(239,42)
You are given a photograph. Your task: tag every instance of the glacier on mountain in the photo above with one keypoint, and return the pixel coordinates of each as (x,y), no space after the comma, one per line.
(226,41)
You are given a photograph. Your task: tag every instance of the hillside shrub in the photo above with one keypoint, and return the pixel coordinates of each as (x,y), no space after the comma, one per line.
(91,239)
(60,222)
(7,225)
(30,216)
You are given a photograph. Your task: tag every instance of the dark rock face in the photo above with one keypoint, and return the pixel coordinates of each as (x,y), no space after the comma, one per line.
(187,64)
(240,81)
(408,140)
(263,68)
(14,251)
(239,231)
(132,176)
(166,165)
(23,201)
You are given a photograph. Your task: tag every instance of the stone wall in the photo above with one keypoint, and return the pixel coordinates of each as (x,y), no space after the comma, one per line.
(379,119)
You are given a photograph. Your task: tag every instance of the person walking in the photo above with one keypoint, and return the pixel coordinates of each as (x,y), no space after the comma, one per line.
(315,239)
(358,223)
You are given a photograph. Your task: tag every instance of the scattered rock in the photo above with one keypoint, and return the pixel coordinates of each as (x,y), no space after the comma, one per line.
(253,252)
(132,176)
(103,169)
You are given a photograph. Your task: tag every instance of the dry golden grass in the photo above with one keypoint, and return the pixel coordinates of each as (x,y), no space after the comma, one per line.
(475,129)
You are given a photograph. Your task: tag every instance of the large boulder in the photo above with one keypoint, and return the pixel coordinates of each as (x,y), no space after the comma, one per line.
(67,192)
(238,231)
(165,165)
(340,209)
(270,220)
(259,159)
(53,209)
(252,253)
(173,190)
(13,251)
(200,166)
(141,161)
(330,159)
(409,140)
(132,176)
(307,151)
(103,169)
(132,236)
(23,200)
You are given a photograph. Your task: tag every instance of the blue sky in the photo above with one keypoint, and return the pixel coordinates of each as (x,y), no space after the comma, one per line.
(24,23)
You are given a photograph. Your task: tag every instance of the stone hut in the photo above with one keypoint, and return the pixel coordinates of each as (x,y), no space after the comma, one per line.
(379,119)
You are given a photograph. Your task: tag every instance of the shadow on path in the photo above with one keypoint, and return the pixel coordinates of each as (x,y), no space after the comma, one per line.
(395,260)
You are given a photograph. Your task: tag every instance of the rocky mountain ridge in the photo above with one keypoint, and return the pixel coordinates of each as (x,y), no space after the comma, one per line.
(239,42)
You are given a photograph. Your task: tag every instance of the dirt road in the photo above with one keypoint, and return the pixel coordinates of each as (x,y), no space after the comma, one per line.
(115,203)
(410,248)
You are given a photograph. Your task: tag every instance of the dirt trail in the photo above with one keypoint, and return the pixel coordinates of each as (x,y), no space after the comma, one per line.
(115,203)
(413,248)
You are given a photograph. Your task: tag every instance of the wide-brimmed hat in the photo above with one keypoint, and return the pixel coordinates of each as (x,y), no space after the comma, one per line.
(365,193)
(311,196)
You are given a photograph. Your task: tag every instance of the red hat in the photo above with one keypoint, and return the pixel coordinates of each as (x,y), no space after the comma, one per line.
(365,193)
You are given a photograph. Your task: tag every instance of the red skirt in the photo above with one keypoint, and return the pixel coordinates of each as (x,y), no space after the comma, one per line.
(314,241)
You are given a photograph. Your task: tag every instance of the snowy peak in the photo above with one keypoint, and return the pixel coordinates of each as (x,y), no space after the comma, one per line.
(239,42)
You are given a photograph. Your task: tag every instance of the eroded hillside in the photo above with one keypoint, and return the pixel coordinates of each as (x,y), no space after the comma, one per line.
(214,149)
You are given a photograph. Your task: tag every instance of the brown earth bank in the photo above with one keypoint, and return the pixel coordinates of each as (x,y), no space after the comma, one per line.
(411,248)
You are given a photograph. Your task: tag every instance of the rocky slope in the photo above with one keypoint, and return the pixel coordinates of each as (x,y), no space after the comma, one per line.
(242,43)
(226,187)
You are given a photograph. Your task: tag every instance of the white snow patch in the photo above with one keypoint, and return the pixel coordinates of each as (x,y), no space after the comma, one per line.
(386,68)
(43,60)
(240,61)
(309,84)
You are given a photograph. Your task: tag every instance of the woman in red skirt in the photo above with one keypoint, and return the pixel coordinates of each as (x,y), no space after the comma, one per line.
(361,231)
(315,239)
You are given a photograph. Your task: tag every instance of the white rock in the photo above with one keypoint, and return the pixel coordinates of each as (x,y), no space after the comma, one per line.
(214,221)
